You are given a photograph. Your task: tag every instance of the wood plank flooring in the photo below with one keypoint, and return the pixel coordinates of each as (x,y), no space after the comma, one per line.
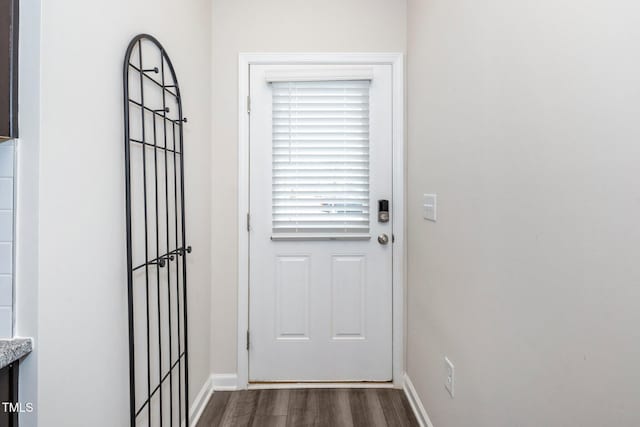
(308,407)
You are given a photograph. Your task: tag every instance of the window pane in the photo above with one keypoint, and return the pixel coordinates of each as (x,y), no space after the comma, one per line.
(320,157)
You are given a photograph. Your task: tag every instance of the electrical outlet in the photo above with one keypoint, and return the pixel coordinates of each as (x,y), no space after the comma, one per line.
(450,378)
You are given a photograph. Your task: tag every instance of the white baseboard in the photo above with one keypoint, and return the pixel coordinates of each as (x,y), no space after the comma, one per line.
(201,401)
(416,403)
(225,382)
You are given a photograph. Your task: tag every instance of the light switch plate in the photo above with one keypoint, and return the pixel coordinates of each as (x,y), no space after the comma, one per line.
(429,208)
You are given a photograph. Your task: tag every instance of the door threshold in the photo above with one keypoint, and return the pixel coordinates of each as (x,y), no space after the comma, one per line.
(266,385)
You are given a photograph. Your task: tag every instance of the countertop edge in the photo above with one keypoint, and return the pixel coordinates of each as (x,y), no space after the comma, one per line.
(12,349)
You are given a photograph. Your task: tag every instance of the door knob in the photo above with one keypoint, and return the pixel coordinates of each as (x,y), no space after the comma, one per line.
(383,239)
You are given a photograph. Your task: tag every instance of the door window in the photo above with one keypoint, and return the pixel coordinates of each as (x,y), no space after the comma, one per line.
(320,137)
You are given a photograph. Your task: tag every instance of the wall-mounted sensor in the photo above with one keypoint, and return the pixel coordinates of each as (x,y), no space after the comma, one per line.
(383,211)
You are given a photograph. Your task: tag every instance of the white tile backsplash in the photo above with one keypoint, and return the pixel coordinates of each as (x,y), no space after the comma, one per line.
(6,226)
(6,290)
(6,322)
(6,194)
(6,159)
(6,238)
(6,258)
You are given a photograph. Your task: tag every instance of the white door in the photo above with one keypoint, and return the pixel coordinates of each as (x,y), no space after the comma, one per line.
(320,287)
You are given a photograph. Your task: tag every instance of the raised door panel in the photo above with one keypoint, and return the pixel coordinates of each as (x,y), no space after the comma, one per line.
(348,287)
(292,298)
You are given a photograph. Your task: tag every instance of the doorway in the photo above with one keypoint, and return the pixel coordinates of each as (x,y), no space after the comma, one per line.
(324,223)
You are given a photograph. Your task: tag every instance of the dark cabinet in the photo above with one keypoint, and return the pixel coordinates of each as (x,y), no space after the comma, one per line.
(8,69)
(9,406)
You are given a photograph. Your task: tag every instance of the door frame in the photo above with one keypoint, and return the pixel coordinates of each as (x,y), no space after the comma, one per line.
(396,60)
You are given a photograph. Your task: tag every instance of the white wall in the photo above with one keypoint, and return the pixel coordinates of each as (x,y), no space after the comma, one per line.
(273,26)
(524,119)
(79,286)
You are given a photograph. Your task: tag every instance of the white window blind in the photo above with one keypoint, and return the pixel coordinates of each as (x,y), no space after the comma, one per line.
(321,158)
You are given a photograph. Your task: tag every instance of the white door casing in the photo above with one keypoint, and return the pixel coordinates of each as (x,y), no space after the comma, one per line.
(320,307)
(245,60)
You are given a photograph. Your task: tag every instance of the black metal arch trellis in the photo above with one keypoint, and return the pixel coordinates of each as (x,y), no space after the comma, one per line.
(155,227)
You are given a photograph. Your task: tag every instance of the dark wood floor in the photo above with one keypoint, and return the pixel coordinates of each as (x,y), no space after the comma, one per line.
(308,407)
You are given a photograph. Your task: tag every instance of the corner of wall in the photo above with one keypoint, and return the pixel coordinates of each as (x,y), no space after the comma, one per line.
(416,403)
(200,402)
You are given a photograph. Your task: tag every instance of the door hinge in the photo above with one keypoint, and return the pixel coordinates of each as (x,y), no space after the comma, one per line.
(247,340)
(248,105)
(248,222)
